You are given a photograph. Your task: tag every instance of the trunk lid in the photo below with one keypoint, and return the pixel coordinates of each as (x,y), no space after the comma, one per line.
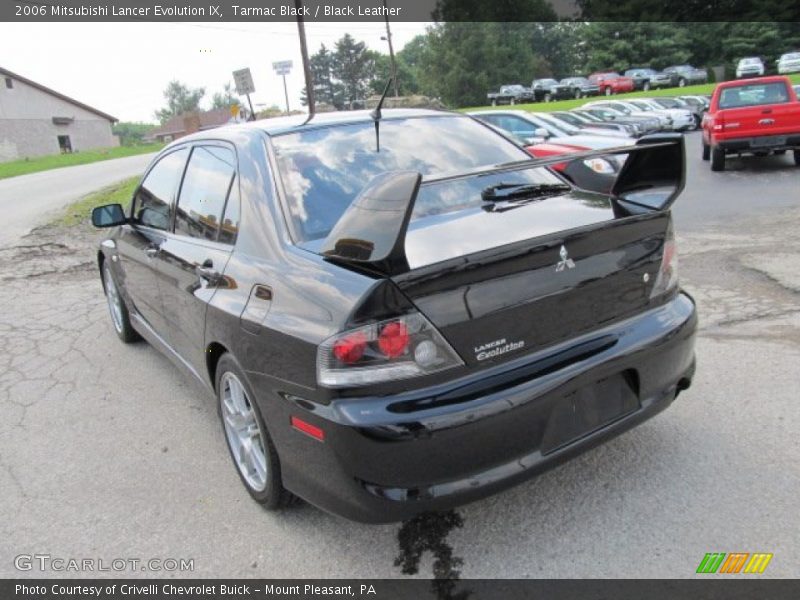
(551,282)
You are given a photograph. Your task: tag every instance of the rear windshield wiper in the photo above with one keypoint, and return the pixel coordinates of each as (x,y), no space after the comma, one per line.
(505,192)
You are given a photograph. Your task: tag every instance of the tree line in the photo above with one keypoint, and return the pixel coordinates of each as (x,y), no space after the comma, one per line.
(458,62)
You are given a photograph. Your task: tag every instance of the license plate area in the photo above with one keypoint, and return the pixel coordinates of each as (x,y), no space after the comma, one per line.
(768,141)
(588,409)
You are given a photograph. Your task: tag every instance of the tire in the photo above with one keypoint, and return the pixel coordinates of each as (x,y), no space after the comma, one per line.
(681,82)
(120,318)
(797,158)
(706,151)
(646,86)
(242,422)
(717,159)
(609,91)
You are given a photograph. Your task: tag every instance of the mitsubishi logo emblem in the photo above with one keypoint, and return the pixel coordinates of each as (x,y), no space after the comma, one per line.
(565,262)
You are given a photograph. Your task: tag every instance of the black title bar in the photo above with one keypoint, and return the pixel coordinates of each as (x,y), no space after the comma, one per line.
(709,587)
(399,10)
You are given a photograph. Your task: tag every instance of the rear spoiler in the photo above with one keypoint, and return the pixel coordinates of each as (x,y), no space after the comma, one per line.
(371,233)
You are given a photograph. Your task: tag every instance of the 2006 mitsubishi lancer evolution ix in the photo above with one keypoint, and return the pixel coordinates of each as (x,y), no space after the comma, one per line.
(401,311)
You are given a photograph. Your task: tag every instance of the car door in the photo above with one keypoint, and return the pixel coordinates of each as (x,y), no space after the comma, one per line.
(140,241)
(192,260)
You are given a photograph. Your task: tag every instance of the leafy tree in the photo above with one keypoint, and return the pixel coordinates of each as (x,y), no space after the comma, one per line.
(619,46)
(353,67)
(328,90)
(559,45)
(180,99)
(226,99)
(130,133)
(466,60)
(382,71)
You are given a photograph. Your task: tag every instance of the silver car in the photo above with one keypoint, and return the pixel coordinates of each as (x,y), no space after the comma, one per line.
(789,63)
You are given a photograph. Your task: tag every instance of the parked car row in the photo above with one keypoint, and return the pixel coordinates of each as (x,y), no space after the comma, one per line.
(600,83)
(597,125)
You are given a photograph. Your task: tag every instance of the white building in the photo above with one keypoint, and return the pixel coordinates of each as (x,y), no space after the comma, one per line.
(35,120)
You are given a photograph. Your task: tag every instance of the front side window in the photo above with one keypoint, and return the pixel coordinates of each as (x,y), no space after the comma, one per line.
(204,191)
(323,169)
(153,200)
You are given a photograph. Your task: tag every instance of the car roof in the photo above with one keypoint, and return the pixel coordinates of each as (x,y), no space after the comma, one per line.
(297,123)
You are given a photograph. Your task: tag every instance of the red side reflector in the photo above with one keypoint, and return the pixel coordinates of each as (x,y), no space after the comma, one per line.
(308,429)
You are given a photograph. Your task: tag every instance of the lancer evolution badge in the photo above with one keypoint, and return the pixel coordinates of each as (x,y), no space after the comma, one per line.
(565,261)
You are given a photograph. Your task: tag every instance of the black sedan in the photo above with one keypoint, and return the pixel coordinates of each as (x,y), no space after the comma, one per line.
(403,312)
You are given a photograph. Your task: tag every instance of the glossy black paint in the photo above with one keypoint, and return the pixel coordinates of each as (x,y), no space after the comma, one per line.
(372,230)
(399,448)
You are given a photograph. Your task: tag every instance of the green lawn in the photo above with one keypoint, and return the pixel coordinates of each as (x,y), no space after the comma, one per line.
(689,90)
(80,211)
(55,161)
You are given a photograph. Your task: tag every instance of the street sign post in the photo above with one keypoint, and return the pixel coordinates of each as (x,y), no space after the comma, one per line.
(244,85)
(283,68)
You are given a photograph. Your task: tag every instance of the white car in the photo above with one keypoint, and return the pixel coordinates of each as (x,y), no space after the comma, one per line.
(750,66)
(682,118)
(629,110)
(789,63)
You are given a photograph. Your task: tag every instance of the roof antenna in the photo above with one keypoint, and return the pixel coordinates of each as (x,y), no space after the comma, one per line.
(376,116)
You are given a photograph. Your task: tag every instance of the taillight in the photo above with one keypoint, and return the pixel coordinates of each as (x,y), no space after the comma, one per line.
(667,278)
(399,348)
(393,339)
(351,348)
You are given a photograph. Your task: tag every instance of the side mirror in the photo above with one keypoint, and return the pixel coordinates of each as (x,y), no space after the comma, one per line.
(541,132)
(108,215)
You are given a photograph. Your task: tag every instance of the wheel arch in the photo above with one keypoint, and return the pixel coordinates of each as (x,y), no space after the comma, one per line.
(214,352)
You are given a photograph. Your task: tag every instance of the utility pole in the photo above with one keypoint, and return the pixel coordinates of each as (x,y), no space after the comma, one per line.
(391,49)
(285,94)
(301,30)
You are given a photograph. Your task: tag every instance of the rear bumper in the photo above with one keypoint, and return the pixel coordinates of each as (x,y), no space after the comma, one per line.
(387,459)
(759,143)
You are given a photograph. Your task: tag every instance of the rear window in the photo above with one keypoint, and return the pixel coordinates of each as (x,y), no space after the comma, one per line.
(754,94)
(324,169)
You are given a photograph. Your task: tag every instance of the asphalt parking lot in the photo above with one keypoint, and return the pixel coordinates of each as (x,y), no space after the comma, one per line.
(107,451)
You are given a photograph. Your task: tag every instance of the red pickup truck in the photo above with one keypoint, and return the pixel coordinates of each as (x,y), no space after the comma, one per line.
(751,116)
(612,83)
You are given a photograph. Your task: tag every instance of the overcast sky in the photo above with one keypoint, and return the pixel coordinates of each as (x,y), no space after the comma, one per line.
(123,68)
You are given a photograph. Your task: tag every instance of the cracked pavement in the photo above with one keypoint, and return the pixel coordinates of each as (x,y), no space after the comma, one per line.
(108,451)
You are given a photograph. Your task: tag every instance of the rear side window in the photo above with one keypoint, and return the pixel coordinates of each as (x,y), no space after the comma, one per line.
(754,95)
(204,191)
(153,200)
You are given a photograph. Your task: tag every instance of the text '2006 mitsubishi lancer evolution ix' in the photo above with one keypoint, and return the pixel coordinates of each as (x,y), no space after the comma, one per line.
(401,311)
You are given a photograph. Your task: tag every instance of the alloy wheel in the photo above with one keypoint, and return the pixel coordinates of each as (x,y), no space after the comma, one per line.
(243,432)
(113,299)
